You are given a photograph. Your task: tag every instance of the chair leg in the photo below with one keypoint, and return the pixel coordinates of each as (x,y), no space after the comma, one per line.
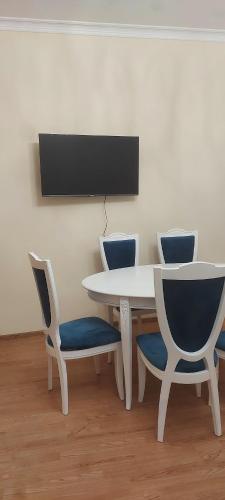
(215,404)
(198,388)
(97,365)
(217,376)
(209,395)
(64,385)
(118,361)
(139,324)
(163,402)
(141,378)
(110,316)
(49,372)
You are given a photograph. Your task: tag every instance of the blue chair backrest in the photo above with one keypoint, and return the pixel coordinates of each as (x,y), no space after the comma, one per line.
(191,308)
(42,287)
(178,249)
(120,253)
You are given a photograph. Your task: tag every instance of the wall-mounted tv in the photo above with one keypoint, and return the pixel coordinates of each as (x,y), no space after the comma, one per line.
(88,165)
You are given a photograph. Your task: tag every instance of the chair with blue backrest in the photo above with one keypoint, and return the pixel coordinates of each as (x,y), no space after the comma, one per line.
(177,246)
(190,303)
(120,250)
(79,338)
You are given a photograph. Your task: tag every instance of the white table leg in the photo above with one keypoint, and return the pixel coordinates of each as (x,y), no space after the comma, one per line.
(126,338)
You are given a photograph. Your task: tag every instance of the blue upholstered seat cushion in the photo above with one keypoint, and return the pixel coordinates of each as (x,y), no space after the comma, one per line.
(153,347)
(86,333)
(221,341)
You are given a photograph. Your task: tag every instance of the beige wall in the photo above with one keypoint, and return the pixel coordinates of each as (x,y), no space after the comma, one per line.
(169,93)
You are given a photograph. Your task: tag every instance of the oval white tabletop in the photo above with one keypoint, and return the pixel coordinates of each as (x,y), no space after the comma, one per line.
(135,281)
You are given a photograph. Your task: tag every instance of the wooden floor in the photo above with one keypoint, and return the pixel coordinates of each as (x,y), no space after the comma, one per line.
(101,451)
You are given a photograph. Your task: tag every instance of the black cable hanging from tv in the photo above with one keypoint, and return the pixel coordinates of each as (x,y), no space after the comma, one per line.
(106,217)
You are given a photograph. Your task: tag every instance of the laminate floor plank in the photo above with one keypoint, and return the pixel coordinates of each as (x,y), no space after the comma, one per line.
(101,451)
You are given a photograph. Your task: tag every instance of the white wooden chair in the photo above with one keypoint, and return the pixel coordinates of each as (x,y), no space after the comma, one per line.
(79,338)
(177,246)
(120,250)
(190,301)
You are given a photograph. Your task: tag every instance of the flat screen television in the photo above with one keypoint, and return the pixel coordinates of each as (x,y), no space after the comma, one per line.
(88,165)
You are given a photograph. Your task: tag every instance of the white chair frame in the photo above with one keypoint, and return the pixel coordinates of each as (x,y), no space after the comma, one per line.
(62,356)
(173,233)
(179,232)
(194,270)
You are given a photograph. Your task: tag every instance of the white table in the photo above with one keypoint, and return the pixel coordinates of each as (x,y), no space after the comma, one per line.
(126,288)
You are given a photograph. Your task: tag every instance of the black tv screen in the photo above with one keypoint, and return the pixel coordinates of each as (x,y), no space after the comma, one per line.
(88,165)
